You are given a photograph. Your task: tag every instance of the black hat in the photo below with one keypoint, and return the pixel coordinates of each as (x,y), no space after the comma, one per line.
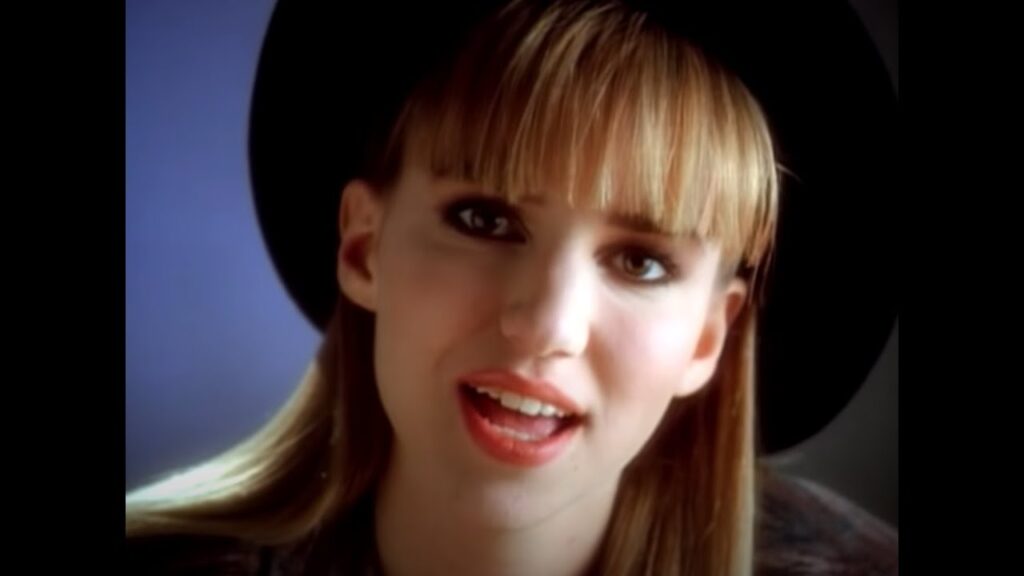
(332,77)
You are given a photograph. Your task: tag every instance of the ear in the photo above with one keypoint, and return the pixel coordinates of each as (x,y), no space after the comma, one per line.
(725,307)
(359,220)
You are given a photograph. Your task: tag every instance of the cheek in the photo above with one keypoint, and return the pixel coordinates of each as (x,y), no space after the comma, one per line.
(426,305)
(643,360)
(651,349)
(429,300)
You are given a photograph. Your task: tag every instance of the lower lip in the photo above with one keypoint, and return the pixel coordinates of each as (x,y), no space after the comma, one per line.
(510,450)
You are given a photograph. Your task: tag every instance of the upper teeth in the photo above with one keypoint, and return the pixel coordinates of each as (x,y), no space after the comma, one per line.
(525,405)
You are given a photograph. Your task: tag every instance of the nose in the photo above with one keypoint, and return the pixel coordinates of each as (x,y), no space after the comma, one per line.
(548,306)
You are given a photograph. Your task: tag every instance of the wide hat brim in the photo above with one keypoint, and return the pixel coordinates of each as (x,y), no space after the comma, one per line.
(332,76)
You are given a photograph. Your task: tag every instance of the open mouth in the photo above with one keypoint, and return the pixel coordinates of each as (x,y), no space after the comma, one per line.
(516,429)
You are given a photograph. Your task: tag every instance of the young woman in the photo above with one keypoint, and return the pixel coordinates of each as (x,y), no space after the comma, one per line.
(539,355)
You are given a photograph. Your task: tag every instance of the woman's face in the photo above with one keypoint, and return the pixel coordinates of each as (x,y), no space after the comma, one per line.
(481,306)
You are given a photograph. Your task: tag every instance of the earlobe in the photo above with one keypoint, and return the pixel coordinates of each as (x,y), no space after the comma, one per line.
(726,308)
(359,221)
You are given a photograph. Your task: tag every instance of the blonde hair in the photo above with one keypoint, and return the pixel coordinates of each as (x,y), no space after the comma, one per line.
(594,101)
(322,451)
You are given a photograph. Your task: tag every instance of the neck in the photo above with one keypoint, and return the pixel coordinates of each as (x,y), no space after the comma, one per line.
(428,527)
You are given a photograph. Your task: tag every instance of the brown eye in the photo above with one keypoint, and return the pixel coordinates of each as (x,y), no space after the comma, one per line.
(642,266)
(485,218)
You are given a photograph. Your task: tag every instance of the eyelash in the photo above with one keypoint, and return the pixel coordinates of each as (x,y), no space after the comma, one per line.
(454,212)
(670,269)
(459,215)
